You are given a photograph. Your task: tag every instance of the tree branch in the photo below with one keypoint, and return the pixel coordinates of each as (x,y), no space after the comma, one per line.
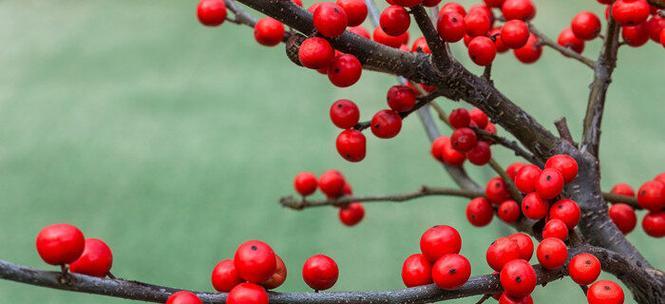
(421,102)
(509,144)
(440,54)
(564,132)
(546,41)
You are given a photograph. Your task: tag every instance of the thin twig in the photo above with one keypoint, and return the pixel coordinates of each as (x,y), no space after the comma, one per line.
(484,298)
(564,132)
(509,144)
(514,193)
(421,102)
(546,41)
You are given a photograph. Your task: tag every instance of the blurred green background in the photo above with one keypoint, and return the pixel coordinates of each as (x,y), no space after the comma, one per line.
(173,142)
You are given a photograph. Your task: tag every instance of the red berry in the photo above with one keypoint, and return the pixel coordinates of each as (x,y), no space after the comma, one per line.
(623,189)
(495,35)
(655,24)
(482,8)
(315,53)
(60,244)
(662,37)
(651,196)
(530,52)
(320,272)
(451,271)
(565,164)
(279,277)
(437,147)
(416,271)
(482,50)
(355,10)
(330,20)
(526,178)
(96,259)
(408,3)
(479,118)
(351,214)
(552,253)
(351,145)
(332,183)
(555,228)
(505,299)
(518,278)
(585,25)
(566,210)
(660,177)
(550,183)
(452,7)
(255,261)
(183,297)
(524,243)
(360,31)
(568,39)
(534,207)
(496,190)
(477,23)
(624,217)
(420,45)
(513,168)
(479,212)
(395,20)
(459,118)
(386,124)
(605,292)
(431,3)
(298,2)
(502,251)
(393,41)
(451,26)
(247,293)
(494,3)
(584,268)
(344,113)
(518,9)
(439,241)
(636,35)
(401,98)
(305,183)
(211,12)
(225,276)
(451,156)
(509,211)
(480,155)
(268,31)
(345,70)
(514,34)
(653,224)
(630,12)
(463,139)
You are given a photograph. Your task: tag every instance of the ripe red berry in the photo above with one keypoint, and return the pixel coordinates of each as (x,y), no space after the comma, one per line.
(526,178)
(247,293)
(279,277)
(401,98)
(320,272)
(330,20)
(482,50)
(459,118)
(395,20)
(496,190)
(479,212)
(550,183)
(514,34)
(585,25)
(502,251)
(431,3)
(298,2)
(360,31)
(332,183)
(393,41)
(408,3)
(268,31)
(518,278)
(416,271)
(568,39)
(623,189)
(530,52)
(351,145)
(315,53)
(479,118)
(636,35)
(345,70)
(624,217)
(452,7)
(96,259)
(451,26)
(451,156)
(505,299)
(495,35)
(351,214)
(356,11)
(584,268)
(437,147)
(494,3)
(463,139)
(655,25)
(605,292)
(439,241)
(60,244)
(386,124)
(524,243)
(653,224)
(552,253)
(565,164)
(651,196)
(225,276)
(451,271)
(534,207)
(480,155)
(513,168)
(420,45)
(509,211)
(211,12)
(255,261)
(184,297)
(630,12)
(305,183)
(518,9)
(555,228)
(662,37)
(477,23)
(344,113)
(566,210)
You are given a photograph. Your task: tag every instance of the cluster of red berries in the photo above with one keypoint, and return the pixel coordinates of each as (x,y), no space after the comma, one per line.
(650,196)
(464,143)
(64,244)
(333,184)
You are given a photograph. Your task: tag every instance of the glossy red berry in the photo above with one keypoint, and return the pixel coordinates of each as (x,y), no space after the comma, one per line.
(479,118)
(482,50)
(515,33)
(305,183)
(550,183)
(298,2)
(184,297)
(514,168)
(630,12)
(452,7)
(437,147)
(495,35)
(459,118)
(655,25)
(344,113)
(568,39)
(534,207)
(60,244)
(555,228)
(566,210)
(225,276)
(518,278)
(530,52)
(477,23)
(416,271)
(451,156)
(506,299)
(451,26)
(320,272)
(636,35)
(386,124)
(451,271)
(653,224)
(494,3)
(351,214)
(332,183)
(518,9)
(401,98)
(351,144)
(393,41)
(479,212)
(345,70)
(509,211)
(623,189)
(96,259)
(279,277)
(552,253)
(395,20)
(211,12)
(584,268)
(496,190)
(502,251)
(651,196)
(662,37)
(360,31)
(480,155)
(463,139)
(431,3)
(565,164)
(585,25)
(315,53)
(624,217)
(255,261)
(605,292)
(524,243)
(330,20)
(439,241)
(526,178)
(268,31)
(420,45)
(247,293)
(356,11)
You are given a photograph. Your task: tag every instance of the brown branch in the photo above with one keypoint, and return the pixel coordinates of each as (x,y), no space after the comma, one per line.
(514,193)
(567,52)
(509,144)
(657,3)
(440,54)
(564,132)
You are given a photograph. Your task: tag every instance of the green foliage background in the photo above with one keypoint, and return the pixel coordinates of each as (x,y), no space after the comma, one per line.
(173,142)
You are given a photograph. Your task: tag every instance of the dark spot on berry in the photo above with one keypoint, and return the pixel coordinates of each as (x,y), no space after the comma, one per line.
(547,256)
(452,271)
(454,20)
(548,177)
(607,287)
(588,262)
(377,126)
(518,279)
(254,248)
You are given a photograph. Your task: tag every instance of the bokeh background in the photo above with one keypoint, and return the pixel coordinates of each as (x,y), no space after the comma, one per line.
(173,142)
